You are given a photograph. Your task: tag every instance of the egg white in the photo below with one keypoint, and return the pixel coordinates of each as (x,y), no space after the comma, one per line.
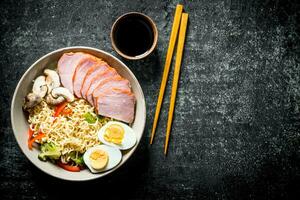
(114,157)
(128,141)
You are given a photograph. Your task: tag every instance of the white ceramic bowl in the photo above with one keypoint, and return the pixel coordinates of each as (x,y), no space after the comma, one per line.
(19,119)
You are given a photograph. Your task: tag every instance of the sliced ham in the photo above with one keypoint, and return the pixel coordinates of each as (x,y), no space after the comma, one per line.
(110,83)
(66,67)
(117,104)
(81,70)
(97,70)
(96,81)
(90,78)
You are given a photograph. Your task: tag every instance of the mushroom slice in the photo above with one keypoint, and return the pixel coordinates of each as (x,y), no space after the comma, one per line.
(32,100)
(52,79)
(54,101)
(39,86)
(64,92)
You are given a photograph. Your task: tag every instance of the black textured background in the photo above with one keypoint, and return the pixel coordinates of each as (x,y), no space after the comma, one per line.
(236,127)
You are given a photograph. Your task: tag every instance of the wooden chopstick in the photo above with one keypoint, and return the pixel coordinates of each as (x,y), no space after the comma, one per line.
(179,52)
(171,46)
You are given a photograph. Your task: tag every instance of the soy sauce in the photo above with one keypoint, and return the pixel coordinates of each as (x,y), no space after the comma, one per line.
(133,35)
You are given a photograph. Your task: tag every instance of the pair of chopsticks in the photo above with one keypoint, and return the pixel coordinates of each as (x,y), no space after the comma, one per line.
(181,19)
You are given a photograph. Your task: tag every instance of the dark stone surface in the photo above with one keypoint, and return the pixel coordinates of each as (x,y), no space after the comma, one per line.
(236,127)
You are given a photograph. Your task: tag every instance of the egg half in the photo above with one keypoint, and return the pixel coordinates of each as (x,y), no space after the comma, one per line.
(102,158)
(117,134)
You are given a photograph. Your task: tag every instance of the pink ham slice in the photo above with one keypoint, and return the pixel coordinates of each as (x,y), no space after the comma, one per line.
(67,66)
(99,68)
(80,73)
(89,77)
(117,104)
(110,83)
(96,81)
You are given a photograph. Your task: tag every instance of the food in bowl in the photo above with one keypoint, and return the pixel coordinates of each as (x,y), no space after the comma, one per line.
(69,107)
(117,134)
(101,158)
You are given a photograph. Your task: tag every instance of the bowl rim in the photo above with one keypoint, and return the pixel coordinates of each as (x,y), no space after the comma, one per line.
(76,48)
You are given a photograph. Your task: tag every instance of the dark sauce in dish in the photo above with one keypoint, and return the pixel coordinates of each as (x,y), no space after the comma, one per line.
(133,35)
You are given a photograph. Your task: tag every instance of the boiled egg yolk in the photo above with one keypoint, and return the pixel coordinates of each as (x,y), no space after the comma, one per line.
(114,133)
(98,159)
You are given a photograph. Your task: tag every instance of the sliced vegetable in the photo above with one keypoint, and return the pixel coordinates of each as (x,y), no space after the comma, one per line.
(69,167)
(90,118)
(78,159)
(59,108)
(66,111)
(32,140)
(49,151)
(30,133)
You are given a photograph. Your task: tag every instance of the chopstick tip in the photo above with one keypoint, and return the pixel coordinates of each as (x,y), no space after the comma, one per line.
(151,140)
(165,152)
(152,135)
(166,149)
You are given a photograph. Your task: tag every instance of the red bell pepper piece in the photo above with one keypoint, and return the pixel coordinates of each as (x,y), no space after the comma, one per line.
(69,167)
(59,108)
(32,140)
